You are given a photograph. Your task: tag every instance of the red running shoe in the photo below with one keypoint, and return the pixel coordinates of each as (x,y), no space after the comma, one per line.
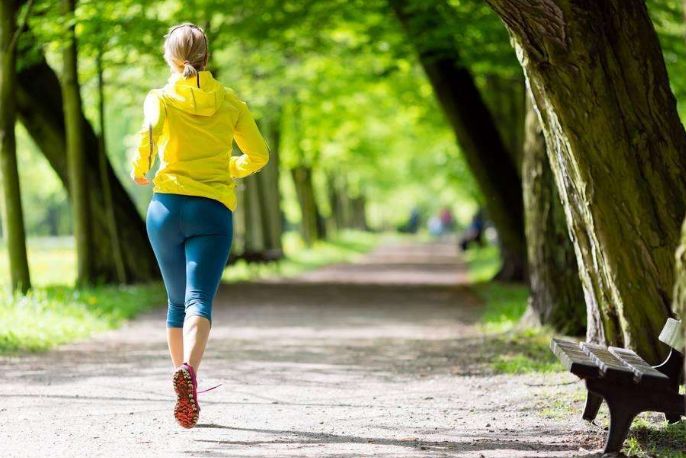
(187,408)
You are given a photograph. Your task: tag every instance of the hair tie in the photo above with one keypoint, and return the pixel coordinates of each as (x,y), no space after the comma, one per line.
(185,62)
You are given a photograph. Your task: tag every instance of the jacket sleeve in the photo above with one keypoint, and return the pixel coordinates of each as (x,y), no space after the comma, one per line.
(148,136)
(252,144)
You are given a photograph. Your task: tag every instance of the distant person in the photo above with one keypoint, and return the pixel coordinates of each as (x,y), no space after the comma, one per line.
(474,232)
(447,221)
(191,123)
(412,224)
(435,226)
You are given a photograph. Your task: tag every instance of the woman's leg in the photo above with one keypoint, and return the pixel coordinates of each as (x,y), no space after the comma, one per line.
(167,241)
(210,234)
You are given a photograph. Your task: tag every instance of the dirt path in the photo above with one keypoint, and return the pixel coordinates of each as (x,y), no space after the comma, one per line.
(375,358)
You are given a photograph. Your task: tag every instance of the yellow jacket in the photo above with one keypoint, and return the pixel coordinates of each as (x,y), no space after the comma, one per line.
(191,123)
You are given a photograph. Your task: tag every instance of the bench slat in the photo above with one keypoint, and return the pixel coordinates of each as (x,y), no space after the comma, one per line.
(574,359)
(642,370)
(609,364)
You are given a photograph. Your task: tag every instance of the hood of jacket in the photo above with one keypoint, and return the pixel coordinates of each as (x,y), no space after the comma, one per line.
(200,95)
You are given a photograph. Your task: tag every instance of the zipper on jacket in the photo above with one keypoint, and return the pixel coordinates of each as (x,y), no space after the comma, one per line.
(197,76)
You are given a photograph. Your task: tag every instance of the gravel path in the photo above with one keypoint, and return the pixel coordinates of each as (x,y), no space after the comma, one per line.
(375,358)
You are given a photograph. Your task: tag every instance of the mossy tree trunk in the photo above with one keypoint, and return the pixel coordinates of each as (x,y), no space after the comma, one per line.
(484,150)
(506,100)
(618,152)
(310,225)
(40,109)
(12,215)
(680,282)
(117,256)
(270,196)
(76,152)
(556,297)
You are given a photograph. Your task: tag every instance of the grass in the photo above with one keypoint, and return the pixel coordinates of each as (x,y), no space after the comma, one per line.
(515,349)
(54,312)
(53,315)
(649,439)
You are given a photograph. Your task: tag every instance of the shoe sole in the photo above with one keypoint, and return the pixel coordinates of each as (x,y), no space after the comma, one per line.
(186,410)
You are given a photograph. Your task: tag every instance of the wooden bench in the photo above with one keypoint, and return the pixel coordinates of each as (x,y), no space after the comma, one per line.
(627,383)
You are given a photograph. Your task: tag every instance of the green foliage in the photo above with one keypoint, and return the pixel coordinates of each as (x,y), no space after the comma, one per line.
(524,351)
(58,314)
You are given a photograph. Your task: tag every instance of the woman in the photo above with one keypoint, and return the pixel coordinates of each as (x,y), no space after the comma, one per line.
(191,123)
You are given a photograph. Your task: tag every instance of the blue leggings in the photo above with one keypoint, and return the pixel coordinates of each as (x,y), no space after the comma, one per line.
(191,237)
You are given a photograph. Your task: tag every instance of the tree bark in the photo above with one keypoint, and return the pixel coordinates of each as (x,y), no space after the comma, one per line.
(310,225)
(617,149)
(506,100)
(359,212)
(482,146)
(556,297)
(680,282)
(13,215)
(254,223)
(270,197)
(76,152)
(117,256)
(40,109)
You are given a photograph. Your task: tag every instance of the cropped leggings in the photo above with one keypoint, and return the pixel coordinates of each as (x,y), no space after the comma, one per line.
(191,237)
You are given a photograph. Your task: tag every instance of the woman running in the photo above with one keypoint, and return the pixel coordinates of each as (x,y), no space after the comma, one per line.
(191,123)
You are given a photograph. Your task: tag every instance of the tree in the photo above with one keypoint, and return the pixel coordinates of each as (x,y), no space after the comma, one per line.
(489,160)
(71,93)
(617,149)
(556,297)
(40,110)
(13,215)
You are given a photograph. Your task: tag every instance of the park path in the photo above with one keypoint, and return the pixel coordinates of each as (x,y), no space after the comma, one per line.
(375,358)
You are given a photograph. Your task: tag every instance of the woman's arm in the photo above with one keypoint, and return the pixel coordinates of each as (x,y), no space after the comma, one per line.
(148,137)
(252,144)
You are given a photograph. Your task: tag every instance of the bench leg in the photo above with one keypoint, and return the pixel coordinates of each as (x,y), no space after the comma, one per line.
(621,417)
(593,402)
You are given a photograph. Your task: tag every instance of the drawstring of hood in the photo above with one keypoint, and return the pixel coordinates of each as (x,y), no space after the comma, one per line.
(202,97)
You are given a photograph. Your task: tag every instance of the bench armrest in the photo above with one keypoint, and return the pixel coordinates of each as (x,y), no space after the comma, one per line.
(673,334)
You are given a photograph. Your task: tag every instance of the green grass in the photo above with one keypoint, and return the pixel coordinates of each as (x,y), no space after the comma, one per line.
(514,349)
(54,312)
(524,351)
(53,315)
(649,439)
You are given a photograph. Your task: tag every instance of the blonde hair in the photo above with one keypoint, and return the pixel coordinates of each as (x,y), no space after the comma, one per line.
(185,49)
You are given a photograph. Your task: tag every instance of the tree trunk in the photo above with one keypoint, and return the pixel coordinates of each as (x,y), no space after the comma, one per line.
(485,152)
(556,294)
(270,197)
(117,256)
(618,152)
(13,215)
(309,224)
(506,100)
(76,153)
(359,210)
(39,103)
(680,282)
(254,223)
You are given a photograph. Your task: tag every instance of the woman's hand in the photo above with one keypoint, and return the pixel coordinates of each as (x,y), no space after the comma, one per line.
(141,181)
